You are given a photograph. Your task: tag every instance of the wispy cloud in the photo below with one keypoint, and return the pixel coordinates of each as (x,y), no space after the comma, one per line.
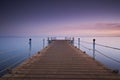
(108,26)
(94,26)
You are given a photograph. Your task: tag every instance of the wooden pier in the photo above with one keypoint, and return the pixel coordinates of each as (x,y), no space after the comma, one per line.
(61,61)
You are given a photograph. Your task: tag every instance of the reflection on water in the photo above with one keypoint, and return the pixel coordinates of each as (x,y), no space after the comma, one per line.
(15,50)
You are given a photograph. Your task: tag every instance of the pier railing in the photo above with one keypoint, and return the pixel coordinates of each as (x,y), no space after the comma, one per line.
(10,61)
(10,58)
(94,49)
(97,49)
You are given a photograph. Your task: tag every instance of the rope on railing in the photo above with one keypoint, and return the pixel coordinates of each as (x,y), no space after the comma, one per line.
(86,42)
(101,52)
(76,43)
(108,46)
(107,56)
(83,46)
(15,56)
(101,45)
(9,67)
(86,47)
(9,51)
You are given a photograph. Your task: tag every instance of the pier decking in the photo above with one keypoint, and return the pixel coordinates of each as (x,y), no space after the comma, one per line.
(61,61)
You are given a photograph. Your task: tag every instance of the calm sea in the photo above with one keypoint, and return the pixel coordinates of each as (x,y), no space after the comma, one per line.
(13,51)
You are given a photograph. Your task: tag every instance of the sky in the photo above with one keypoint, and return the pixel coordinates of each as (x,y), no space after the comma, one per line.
(59,17)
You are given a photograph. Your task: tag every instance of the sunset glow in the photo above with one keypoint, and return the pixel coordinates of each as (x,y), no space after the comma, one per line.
(60,17)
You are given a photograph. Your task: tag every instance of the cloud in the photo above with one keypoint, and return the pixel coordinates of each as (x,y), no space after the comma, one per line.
(93,29)
(94,26)
(108,26)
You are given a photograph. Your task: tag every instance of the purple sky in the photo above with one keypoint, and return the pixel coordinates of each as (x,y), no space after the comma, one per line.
(59,17)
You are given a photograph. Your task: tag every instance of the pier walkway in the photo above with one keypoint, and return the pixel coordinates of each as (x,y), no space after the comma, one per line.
(61,61)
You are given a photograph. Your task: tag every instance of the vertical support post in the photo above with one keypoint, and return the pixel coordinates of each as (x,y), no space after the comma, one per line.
(70,40)
(48,41)
(73,40)
(94,49)
(79,43)
(55,38)
(65,38)
(30,47)
(43,43)
(51,38)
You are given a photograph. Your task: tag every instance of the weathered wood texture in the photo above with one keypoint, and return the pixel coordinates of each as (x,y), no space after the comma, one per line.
(61,61)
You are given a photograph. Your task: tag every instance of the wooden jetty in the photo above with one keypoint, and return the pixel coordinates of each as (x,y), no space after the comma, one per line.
(61,61)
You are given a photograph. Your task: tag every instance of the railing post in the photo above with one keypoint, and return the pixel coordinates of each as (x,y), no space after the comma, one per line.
(79,43)
(48,41)
(30,46)
(65,38)
(93,48)
(73,40)
(43,43)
